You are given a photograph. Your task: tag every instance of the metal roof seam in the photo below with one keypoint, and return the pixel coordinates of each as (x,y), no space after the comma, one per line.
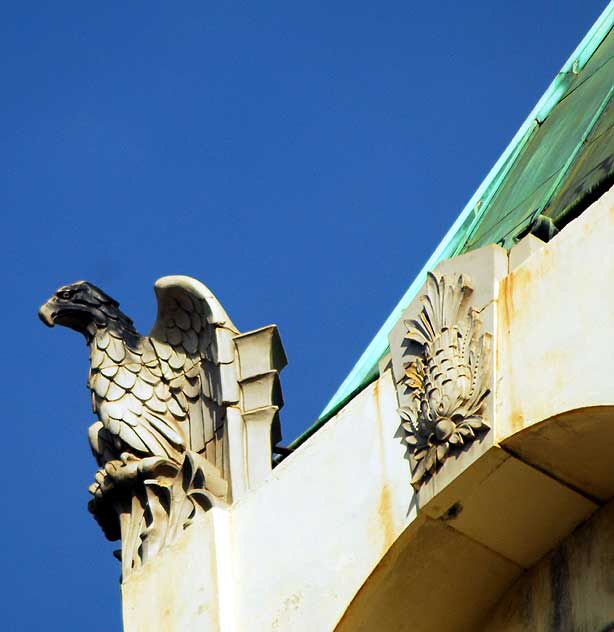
(568,164)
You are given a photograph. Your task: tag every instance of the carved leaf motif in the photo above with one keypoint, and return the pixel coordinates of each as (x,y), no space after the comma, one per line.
(158,498)
(446,385)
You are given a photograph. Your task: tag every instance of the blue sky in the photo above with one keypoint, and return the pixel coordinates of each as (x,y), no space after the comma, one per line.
(301,159)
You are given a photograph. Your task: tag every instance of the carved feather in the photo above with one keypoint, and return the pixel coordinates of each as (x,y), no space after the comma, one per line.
(161,401)
(156,395)
(163,394)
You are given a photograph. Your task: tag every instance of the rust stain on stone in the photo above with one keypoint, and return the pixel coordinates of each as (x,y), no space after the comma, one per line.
(384,504)
(504,300)
(378,421)
(376,398)
(514,296)
(515,285)
(384,511)
(504,363)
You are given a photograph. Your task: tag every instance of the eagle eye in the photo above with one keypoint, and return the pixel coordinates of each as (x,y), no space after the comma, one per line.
(66,294)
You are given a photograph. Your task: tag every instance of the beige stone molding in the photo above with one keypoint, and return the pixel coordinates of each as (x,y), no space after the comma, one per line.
(260,356)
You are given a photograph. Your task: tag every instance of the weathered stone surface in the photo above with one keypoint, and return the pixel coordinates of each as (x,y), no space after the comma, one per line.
(335,538)
(330,512)
(523,250)
(571,589)
(556,311)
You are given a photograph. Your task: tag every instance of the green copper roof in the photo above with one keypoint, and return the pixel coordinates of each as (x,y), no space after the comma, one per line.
(562,153)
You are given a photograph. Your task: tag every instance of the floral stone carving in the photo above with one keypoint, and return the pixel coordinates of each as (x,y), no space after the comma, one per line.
(447,380)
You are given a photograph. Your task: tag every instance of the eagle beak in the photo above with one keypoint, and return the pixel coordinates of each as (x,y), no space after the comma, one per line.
(47,315)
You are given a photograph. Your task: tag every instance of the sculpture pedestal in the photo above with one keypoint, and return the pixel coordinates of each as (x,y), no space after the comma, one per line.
(178,590)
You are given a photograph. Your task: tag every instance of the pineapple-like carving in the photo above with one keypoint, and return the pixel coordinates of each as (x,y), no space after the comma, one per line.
(447,383)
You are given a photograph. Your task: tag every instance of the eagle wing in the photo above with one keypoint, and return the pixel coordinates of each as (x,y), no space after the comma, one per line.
(193,342)
(168,393)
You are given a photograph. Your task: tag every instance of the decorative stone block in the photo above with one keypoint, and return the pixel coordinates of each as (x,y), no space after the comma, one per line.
(524,249)
(261,390)
(258,430)
(442,357)
(260,351)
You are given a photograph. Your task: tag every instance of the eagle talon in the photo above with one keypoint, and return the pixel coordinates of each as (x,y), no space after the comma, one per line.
(111,466)
(103,480)
(127,457)
(112,473)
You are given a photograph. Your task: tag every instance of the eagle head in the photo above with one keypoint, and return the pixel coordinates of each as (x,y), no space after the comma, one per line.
(81,306)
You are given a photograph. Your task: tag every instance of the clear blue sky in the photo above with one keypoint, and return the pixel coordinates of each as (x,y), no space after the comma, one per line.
(301,159)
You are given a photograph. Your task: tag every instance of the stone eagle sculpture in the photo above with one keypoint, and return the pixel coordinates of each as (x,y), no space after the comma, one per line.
(161,402)
(156,395)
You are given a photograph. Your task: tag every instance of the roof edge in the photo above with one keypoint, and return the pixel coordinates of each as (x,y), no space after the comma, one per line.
(365,368)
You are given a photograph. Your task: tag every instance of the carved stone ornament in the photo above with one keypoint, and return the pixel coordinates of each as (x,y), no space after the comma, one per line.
(161,402)
(155,499)
(447,381)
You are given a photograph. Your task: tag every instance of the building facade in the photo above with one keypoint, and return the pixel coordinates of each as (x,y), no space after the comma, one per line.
(461,477)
